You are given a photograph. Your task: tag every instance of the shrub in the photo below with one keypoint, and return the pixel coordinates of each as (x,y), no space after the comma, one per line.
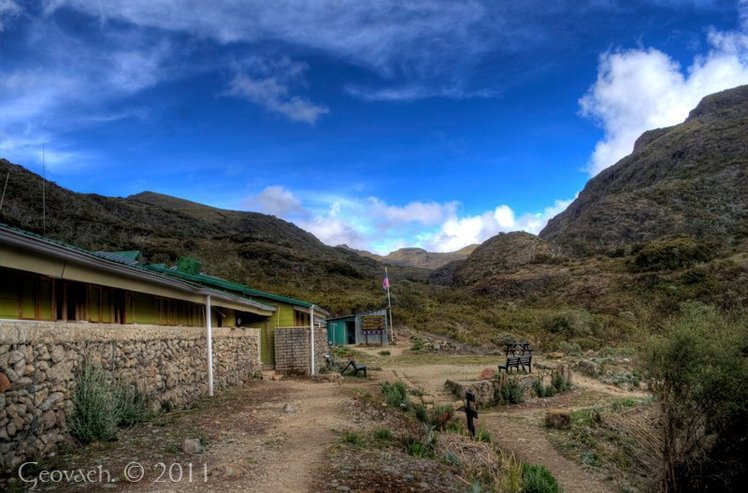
(672,253)
(132,404)
(560,383)
(395,394)
(351,437)
(511,392)
(697,374)
(94,416)
(383,434)
(572,323)
(538,388)
(421,413)
(483,436)
(537,479)
(570,348)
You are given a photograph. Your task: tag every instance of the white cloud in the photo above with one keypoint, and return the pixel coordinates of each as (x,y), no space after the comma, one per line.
(638,90)
(268,85)
(276,200)
(372,224)
(71,89)
(8,10)
(458,232)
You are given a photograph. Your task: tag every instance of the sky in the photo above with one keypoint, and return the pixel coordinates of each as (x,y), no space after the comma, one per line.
(378,124)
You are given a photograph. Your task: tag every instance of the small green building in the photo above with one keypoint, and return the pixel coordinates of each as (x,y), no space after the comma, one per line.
(289,312)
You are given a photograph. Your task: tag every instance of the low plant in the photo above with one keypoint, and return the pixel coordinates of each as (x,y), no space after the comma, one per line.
(537,479)
(395,394)
(351,437)
(421,414)
(511,473)
(95,414)
(482,436)
(132,404)
(560,383)
(510,392)
(383,434)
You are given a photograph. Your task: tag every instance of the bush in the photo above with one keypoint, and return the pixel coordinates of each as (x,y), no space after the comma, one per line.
(383,434)
(94,416)
(537,479)
(421,413)
(572,323)
(351,437)
(511,392)
(560,383)
(132,403)
(697,373)
(672,253)
(395,394)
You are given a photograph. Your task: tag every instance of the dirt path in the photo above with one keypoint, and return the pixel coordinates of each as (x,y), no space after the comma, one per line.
(520,429)
(304,433)
(522,434)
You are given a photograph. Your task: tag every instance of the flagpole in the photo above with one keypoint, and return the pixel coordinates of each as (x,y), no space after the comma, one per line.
(389,305)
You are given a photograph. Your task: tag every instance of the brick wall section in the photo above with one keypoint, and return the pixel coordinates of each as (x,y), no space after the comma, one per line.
(292,349)
(39,362)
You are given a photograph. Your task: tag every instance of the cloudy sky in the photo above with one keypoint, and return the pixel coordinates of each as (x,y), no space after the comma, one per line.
(379,124)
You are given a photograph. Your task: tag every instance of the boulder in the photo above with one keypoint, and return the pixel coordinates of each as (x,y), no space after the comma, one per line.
(557,418)
(192,446)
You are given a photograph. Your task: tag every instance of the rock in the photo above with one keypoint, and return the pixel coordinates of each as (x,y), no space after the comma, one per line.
(487,374)
(557,418)
(427,399)
(58,353)
(4,382)
(192,446)
(589,367)
(554,355)
(14,357)
(276,376)
(289,409)
(327,377)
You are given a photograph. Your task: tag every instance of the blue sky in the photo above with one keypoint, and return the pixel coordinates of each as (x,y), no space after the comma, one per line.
(378,124)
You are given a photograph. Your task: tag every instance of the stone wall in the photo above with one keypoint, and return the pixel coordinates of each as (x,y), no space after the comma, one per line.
(292,349)
(39,362)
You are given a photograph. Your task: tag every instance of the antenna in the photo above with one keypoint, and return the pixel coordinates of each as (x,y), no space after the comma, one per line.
(44,193)
(2,199)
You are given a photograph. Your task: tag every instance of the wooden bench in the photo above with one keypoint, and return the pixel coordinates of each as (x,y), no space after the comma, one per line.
(356,368)
(343,366)
(524,361)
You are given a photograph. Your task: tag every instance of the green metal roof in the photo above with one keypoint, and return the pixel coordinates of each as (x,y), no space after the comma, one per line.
(227,285)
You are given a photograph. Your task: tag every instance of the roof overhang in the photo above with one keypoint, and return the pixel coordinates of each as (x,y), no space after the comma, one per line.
(73,259)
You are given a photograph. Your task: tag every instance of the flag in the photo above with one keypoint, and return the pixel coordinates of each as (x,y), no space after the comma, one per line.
(386,282)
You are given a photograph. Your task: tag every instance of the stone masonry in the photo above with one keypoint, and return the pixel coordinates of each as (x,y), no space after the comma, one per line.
(39,362)
(292,349)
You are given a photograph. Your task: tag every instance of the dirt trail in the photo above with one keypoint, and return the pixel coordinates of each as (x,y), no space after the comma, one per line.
(522,434)
(271,440)
(306,434)
(520,429)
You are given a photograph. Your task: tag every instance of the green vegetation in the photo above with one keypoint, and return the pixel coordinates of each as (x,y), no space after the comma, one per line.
(395,394)
(383,434)
(352,438)
(537,479)
(672,253)
(697,372)
(509,392)
(102,403)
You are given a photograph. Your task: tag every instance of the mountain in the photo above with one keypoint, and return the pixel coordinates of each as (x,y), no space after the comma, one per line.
(690,179)
(501,253)
(260,250)
(418,257)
